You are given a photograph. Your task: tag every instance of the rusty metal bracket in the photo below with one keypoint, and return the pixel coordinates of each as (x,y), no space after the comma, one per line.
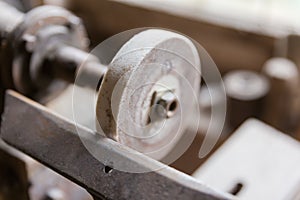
(52,140)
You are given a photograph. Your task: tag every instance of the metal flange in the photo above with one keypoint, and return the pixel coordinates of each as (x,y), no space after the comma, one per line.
(43,30)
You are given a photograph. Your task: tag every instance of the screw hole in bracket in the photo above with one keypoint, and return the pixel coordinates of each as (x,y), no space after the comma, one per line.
(236,189)
(107,169)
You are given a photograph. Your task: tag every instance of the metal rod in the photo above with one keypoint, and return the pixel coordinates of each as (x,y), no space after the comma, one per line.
(67,62)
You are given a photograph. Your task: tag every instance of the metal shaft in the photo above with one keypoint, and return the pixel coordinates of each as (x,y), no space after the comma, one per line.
(68,60)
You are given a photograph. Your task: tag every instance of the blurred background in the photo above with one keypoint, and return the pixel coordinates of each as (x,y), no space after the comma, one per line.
(256,47)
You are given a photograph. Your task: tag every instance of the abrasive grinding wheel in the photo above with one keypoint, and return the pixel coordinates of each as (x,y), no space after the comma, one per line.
(148,91)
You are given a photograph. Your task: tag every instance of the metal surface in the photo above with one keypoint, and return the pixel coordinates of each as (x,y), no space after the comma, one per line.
(282,106)
(53,141)
(22,175)
(256,163)
(167,104)
(45,183)
(10,17)
(245,92)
